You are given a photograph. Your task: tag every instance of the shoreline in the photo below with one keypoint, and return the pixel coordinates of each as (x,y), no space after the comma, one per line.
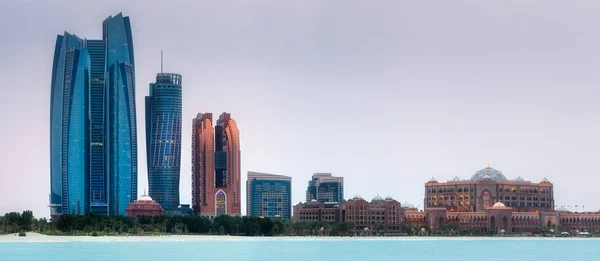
(40,238)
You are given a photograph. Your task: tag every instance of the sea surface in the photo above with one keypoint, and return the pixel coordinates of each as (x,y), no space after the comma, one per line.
(250,249)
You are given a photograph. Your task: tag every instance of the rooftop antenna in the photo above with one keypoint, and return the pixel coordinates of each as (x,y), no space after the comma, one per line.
(161,61)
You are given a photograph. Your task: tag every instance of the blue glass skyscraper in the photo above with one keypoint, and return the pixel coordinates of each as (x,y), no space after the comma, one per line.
(93,139)
(163,139)
(68,130)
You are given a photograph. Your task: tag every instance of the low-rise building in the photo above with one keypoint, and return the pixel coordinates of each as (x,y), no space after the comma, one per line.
(315,211)
(381,215)
(144,206)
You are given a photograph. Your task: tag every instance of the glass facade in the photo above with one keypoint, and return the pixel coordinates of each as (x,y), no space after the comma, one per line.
(68,136)
(163,139)
(121,123)
(98,179)
(93,144)
(323,187)
(269,195)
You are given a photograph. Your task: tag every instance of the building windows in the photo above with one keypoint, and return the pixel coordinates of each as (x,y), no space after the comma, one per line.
(486,199)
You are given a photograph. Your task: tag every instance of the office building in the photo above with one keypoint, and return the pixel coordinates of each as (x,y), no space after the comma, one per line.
(93,138)
(324,187)
(163,139)
(215,166)
(268,195)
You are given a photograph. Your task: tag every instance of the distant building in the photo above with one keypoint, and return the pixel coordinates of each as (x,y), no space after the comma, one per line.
(381,215)
(182,210)
(216,166)
(144,206)
(324,187)
(489,202)
(314,211)
(268,195)
(487,187)
(93,133)
(163,139)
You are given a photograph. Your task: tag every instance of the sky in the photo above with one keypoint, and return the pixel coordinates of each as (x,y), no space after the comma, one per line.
(386,94)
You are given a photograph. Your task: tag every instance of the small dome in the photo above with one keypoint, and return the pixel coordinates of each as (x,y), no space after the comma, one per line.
(499,204)
(432,180)
(545,180)
(389,198)
(519,179)
(377,198)
(488,172)
(455,179)
(407,205)
(313,200)
(357,197)
(145,198)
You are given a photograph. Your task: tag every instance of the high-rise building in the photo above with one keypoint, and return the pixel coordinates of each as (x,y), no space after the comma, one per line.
(68,126)
(93,139)
(215,166)
(268,195)
(163,139)
(323,187)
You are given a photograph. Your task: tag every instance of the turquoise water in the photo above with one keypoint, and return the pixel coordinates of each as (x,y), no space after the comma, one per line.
(307,250)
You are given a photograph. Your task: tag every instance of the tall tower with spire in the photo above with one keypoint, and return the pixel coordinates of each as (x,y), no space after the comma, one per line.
(163,138)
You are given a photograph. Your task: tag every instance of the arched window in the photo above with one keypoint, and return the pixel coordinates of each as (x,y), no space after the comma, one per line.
(487,201)
(220,203)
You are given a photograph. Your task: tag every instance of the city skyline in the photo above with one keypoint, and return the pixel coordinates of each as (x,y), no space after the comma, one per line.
(309,96)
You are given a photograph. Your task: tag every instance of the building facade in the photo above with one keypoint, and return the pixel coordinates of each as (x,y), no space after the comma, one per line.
(144,206)
(268,195)
(315,211)
(93,139)
(163,139)
(487,187)
(216,166)
(324,187)
(381,215)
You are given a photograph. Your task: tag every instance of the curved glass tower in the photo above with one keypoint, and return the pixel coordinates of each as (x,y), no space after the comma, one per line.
(163,139)
(68,131)
(120,118)
(93,144)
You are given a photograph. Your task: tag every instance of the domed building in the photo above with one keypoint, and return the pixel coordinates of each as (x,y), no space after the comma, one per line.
(488,173)
(484,188)
(144,206)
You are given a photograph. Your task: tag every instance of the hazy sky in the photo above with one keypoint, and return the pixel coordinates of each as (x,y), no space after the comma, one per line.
(386,94)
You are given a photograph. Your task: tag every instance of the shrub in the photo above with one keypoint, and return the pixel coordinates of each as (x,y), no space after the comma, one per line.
(22,234)
(94,234)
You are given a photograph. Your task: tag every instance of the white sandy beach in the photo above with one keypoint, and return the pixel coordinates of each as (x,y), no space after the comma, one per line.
(36,237)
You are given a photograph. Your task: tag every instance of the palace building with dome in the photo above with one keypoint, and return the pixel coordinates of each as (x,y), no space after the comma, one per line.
(488,202)
(485,188)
